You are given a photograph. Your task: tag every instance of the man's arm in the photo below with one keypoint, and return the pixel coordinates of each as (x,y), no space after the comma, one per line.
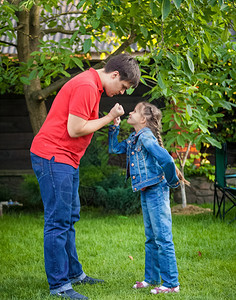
(77,126)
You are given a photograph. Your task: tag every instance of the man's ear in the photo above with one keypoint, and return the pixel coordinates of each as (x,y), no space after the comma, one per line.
(115,74)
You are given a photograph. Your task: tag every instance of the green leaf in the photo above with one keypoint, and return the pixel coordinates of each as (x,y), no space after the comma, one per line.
(130,91)
(82,29)
(206,99)
(99,12)
(33,74)
(81,3)
(190,63)
(25,80)
(42,58)
(40,74)
(177,3)
(213,142)
(170,142)
(154,9)
(193,127)
(225,34)
(144,31)
(186,69)
(10,35)
(48,8)
(189,110)
(207,50)
(165,9)
(95,23)
(177,119)
(203,128)
(180,140)
(65,73)
(161,82)
(174,99)
(78,62)
(226,104)
(87,45)
(149,77)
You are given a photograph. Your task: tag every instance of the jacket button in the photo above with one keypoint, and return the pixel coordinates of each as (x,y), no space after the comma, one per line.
(132,164)
(163,177)
(134,177)
(132,153)
(135,189)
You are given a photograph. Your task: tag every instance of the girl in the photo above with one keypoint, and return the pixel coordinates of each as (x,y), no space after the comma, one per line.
(152,170)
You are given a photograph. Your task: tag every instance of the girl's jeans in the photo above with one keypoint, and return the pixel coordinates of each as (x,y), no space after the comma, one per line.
(59,185)
(160,258)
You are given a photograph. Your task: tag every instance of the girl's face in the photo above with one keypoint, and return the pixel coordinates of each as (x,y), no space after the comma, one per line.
(136,118)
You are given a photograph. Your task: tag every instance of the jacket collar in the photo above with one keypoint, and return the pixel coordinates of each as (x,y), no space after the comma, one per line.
(134,136)
(144,129)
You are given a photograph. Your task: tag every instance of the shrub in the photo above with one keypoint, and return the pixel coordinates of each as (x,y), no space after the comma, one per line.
(31,192)
(5,193)
(206,168)
(115,194)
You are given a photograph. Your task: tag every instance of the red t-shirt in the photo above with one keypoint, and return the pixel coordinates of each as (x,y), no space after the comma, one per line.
(80,96)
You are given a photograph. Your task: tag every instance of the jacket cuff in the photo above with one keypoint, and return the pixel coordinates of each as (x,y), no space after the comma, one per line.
(114,127)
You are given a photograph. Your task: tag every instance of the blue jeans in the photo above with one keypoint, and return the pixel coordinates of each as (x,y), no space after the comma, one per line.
(160,260)
(59,185)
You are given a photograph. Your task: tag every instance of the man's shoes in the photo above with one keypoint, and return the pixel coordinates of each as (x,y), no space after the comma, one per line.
(69,294)
(88,280)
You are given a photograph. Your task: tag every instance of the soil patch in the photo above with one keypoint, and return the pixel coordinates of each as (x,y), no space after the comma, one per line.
(189,210)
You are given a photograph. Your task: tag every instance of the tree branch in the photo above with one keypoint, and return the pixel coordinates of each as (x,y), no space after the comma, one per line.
(186,153)
(7,43)
(62,14)
(58,29)
(43,94)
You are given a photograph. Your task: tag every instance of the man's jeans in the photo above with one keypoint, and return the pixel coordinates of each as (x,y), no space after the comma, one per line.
(160,260)
(59,185)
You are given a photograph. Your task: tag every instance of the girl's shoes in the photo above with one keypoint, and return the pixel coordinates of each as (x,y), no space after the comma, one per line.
(140,285)
(165,290)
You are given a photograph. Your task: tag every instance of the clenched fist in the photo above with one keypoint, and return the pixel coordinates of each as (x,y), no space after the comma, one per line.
(116,111)
(117,121)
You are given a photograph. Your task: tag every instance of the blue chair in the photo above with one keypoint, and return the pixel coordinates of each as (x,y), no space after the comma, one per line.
(222,190)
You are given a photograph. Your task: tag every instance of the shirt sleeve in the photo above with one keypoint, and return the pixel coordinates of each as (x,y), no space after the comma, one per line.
(82,101)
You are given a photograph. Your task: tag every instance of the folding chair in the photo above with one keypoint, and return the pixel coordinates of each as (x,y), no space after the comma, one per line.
(222,190)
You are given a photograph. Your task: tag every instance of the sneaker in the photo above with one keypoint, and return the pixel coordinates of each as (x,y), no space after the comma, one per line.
(140,285)
(88,280)
(70,294)
(164,290)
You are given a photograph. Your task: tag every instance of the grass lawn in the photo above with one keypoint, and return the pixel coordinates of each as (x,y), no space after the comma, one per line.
(205,250)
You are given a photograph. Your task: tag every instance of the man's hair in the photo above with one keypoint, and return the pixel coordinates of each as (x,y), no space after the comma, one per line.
(127,67)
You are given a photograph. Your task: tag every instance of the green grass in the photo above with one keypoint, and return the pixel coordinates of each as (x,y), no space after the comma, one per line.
(205,251)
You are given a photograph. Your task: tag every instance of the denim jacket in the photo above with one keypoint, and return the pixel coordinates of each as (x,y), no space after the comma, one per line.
(147,163)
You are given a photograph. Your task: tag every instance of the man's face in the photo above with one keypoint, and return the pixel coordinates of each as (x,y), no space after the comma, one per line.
(115,86)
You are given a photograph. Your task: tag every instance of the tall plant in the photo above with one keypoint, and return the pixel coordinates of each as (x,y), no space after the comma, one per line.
(44,64)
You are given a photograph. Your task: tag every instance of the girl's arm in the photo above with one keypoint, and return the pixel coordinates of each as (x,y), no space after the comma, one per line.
(164,159)
(114,145)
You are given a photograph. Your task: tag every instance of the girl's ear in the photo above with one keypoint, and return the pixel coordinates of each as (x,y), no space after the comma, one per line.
(143,120)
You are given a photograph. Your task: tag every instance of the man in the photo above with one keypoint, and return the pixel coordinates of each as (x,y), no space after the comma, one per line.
(56,152)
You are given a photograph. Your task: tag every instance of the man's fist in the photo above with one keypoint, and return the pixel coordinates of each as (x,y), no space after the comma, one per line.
(116,111)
